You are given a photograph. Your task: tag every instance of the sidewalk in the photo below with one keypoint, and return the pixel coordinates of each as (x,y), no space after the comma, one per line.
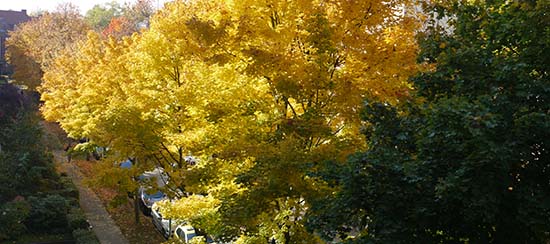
(103,226)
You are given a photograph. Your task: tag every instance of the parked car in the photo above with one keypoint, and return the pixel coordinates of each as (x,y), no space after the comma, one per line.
(185,233)
(165,226)
(126,164)
(148,198)
(149,181)
(156,176)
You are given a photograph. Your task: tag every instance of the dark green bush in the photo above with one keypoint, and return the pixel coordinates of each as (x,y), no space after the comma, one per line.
(12,215)
(68,190)
(27,169)
(85,236)
(48,214)
(77,219)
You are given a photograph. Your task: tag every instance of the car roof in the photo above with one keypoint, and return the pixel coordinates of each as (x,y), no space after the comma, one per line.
(158,174)
(187,228)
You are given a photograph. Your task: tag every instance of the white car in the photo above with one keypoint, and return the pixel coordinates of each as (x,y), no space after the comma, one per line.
(148,199)
(185,233)
(148,196)
(164,225)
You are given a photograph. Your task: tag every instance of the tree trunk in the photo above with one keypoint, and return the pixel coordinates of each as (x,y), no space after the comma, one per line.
(287,237)
(136,207)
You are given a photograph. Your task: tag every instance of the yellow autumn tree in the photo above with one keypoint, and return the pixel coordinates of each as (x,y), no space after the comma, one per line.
(311,63)
(263,93)
(34,45)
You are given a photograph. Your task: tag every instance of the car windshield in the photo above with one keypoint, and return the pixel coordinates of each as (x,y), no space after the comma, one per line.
(126,164)
(191,235)
(157,194)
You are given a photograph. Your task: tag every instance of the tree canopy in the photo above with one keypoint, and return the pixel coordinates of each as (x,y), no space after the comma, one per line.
(261,93)
(274,100)
(112,19)
(100,15)
(464,160)
(33,45)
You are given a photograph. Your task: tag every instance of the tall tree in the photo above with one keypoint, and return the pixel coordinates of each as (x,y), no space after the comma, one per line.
(466,162)
(33,46)
(119,27)
(111,19)
(25,167)
(101,15)
(260,92)
(139,13)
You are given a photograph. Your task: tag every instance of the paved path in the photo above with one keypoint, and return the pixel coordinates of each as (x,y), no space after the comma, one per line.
(103,226)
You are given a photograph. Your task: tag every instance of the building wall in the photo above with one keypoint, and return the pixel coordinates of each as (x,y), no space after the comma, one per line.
(8,21)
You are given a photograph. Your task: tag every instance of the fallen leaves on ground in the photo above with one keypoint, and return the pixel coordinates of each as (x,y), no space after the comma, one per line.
(123,215)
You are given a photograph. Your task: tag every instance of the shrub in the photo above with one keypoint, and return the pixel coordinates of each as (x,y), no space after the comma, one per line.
(12,215)
(77,219)
(69,190)
(48,214)
(85,236)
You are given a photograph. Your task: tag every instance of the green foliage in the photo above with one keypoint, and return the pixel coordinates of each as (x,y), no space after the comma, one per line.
(115,20)
(68,189)
(12,215)
(77,219)
(85,236)
(100,16)
(27,172)
(48,214)
(24,165)
(465,161)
